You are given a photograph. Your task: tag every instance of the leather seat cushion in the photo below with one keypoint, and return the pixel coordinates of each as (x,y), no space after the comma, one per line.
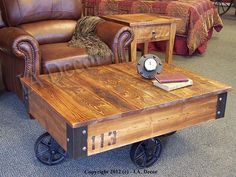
(59,57)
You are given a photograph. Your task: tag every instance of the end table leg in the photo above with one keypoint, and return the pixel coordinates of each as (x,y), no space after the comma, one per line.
(170,44)
(133,51)
(145,48)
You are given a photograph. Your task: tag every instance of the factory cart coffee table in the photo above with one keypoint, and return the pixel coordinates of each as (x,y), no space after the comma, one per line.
(101,108)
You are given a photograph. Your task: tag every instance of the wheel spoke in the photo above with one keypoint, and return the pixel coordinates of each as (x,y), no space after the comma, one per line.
(227,5)
(158,144)
(50,141)
(142,159)
(40,154)
(61,153)
(152,160)
(50,159)
(142,154)
(216,3)
(45,143)
(144,162)
(222,6)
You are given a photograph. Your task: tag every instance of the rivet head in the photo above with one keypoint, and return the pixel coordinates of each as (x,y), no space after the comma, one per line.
(84,132)
(218,112)
(220,99)
(67,139)
(84,148)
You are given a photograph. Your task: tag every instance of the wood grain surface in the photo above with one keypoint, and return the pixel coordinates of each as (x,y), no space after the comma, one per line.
(119,132)
(99,94)
(141,19)
(49,119)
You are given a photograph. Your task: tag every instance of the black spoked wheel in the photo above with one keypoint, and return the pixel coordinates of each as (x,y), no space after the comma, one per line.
(223,5)
(48,151)
(146,153)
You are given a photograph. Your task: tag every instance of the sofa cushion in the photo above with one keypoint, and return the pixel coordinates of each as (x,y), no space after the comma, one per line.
(60,57)
(50,31)
(16,12)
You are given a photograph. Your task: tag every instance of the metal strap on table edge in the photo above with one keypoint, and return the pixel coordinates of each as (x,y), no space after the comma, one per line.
(77,141)
(221,105)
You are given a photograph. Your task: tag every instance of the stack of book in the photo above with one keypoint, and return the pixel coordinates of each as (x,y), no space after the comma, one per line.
(171,81)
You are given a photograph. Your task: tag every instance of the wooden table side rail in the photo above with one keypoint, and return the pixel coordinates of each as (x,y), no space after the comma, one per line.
(95,138)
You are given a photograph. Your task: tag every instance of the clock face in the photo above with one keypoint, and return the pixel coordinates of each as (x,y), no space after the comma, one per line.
(150,64)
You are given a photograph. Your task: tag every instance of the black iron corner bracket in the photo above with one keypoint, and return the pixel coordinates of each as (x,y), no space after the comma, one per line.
(77,141)
(221,105)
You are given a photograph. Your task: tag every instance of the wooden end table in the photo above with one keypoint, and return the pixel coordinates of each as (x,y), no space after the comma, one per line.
(101,108)
(148,28)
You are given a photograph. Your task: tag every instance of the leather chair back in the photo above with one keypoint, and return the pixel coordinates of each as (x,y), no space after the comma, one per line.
(48,21)
(16,12)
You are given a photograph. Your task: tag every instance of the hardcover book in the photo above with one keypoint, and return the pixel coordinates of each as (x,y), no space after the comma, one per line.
(172,85)
(171,77)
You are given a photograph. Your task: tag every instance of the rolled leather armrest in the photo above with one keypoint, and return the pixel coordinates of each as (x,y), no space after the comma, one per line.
(15,41)
(116,36)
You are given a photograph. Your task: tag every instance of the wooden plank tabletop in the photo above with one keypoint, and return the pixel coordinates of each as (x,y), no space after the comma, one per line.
(141,19)
(88,96)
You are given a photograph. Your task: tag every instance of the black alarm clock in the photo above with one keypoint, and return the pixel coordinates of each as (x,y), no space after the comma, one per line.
(149,65)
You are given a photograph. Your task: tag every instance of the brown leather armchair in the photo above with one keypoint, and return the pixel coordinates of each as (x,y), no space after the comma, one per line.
(34,36)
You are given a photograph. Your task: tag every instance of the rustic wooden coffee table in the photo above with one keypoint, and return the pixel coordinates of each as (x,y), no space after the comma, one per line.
(148,28)
(97,109)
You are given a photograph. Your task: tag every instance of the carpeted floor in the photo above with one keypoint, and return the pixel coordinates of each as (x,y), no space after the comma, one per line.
(206,150)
